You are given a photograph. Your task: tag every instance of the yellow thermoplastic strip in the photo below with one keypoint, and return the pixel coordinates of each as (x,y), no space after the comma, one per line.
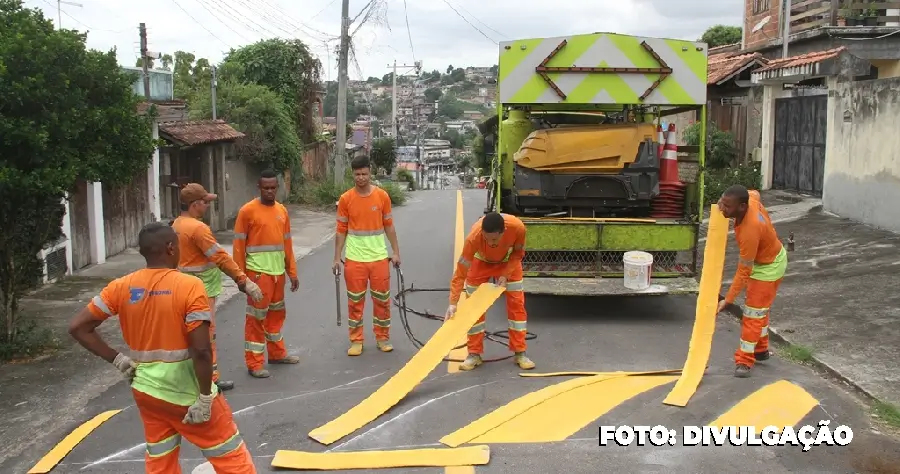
(414,371)
(588,374)
(459,239)
(518,406)
(780,404)
(568,413)
(334,461)
(51,459)
(705,319)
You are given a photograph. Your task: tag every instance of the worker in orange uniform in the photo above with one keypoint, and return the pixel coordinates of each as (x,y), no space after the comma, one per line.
(203,257)
(363,219)
(264,250)
(164,315)
(494,248)
(761,268)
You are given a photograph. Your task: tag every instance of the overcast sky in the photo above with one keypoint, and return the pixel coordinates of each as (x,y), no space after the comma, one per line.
(440,35)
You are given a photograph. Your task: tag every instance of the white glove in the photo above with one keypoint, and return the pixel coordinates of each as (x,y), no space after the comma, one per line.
(200,411)
(125,365)
(451,310)
(253,290)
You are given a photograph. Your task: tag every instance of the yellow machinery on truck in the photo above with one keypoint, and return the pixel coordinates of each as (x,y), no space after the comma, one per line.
(577,156)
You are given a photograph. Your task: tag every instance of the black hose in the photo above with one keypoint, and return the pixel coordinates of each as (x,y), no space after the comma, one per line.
(404,310)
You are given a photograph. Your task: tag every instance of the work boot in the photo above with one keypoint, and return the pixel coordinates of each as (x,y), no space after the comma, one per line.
(355,349)
(286,360)
(760,356)
(259,373)
(742,371)
(224,385)
(523,361)
(472,361)
(384,346)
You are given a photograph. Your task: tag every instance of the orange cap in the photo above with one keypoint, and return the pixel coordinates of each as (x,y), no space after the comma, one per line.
(195,192)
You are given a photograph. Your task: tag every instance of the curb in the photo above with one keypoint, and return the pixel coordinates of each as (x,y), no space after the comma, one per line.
(814,361)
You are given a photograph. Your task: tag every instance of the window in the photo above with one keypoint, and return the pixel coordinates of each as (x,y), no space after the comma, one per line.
(760,6)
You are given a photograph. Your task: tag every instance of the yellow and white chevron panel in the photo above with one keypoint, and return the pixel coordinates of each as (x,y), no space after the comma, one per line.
(602,68)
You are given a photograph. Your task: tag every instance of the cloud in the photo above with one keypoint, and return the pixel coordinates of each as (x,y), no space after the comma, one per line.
(440,35)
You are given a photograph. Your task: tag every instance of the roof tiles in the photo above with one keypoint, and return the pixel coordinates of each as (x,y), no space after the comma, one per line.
(802,60)
(199,132)
(721,66)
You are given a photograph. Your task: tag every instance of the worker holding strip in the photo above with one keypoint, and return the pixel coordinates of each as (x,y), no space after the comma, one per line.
(761,268)
(494,248)
(164,315)
(363,220)
(264,249)
(204,258)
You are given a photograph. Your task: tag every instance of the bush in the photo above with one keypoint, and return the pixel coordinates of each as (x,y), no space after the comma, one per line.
(721,149)
(397,195)
(407,176)
(717,181)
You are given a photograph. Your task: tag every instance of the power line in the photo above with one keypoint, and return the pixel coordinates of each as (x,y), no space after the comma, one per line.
(408,32)
(220,20)
(469,22)
(76,20)
(201,24)
(483,23)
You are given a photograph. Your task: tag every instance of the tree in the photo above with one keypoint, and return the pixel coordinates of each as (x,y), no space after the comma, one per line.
(721,35)
(433,94)
(458,75)
(261,115)
(67,113)
(455,139)
(450,107)
(286,67)
(384,154)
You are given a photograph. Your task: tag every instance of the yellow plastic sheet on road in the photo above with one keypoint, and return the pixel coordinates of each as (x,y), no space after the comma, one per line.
(780,404)
(707,302)
(51,459)
(459,241)
(468,456)
(415,370)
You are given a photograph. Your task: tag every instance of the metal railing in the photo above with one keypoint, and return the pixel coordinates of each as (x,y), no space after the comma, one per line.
(812,14)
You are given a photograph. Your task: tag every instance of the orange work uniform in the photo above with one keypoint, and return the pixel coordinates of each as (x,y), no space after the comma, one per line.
(264,250)
(479,263)
(761,268)
(157,309)
(203,257)
(363,219)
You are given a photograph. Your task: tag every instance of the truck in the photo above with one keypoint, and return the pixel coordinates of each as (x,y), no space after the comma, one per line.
(578,155)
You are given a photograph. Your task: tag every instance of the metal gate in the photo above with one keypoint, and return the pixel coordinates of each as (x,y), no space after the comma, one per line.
(800,134)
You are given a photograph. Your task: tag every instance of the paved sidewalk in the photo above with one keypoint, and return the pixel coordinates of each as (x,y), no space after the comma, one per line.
(839,298)
(47,396)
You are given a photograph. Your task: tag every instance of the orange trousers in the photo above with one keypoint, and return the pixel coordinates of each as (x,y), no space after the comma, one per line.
(755,320)
(262,326)
(516,317)
(376,277)
(218,439)
(212,338)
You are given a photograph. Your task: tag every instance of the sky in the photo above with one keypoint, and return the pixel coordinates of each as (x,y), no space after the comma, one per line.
(439,32)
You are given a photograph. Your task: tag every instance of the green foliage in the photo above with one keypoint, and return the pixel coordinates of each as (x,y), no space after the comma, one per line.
(721,149)
(721,35)
(384,154)
(451,107)
(285,66)
(481,158)
(192,76)
(433,94)
(30,340)
(65,113)
(406,176)
(397,195)
(261,115)
(716,181)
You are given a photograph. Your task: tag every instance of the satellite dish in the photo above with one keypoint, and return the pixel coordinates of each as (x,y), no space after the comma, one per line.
(761,24)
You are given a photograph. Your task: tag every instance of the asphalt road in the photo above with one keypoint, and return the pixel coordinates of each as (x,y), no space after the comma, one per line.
(630,334)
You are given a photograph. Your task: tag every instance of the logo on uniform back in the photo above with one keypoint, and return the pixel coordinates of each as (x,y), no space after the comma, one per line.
(136,295)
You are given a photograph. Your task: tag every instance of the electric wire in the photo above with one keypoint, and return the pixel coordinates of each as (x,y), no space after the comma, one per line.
(470,23)
(201,24)
(404,310)
(226,25)
(76,20)
(408,32)
(479,21)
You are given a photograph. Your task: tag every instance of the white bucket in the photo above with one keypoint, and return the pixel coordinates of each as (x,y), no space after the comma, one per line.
(637,270)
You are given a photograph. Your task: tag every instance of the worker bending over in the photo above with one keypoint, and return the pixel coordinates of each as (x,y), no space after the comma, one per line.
(165,315)
(761,267)
(264,250)
(494,248)
(363,219)
(204,258)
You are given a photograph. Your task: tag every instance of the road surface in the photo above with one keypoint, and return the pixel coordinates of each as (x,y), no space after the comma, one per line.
(630,334)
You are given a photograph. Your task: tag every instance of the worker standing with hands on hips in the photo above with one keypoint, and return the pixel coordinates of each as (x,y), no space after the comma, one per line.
(165,315)
(264,250)
(203,257)
(494,248)
(363,219)
(761,268)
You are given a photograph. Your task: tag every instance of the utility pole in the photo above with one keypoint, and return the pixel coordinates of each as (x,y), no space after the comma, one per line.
(786,33)
(59,4)
(340,146)
(144,60)
(213,87)
(418,67)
